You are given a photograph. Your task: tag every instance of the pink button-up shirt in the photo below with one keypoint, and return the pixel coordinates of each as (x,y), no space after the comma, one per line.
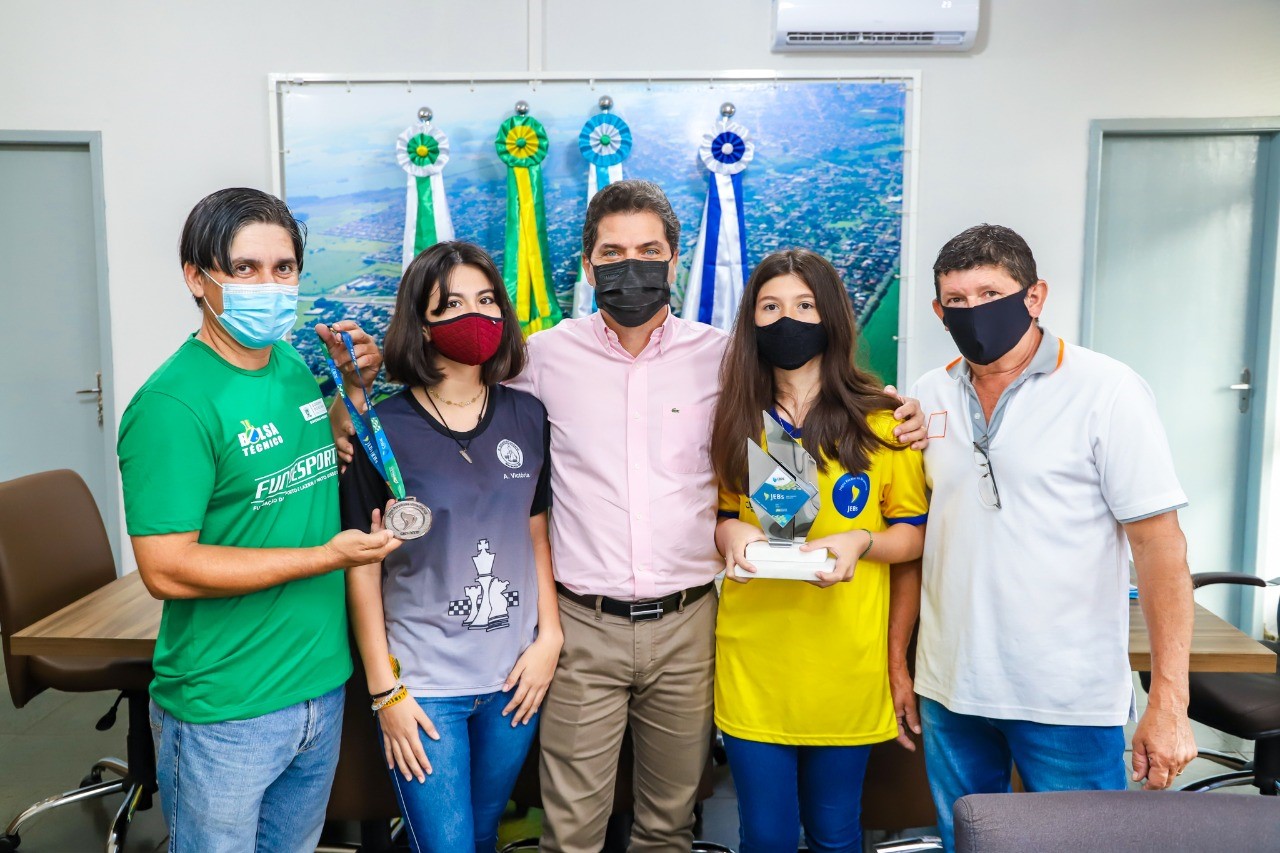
(634,499)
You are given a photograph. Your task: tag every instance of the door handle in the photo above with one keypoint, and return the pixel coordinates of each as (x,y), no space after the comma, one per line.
(1245,387)
(96,389)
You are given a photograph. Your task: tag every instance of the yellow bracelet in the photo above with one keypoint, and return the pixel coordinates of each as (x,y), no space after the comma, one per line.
(390,700)
(394,699)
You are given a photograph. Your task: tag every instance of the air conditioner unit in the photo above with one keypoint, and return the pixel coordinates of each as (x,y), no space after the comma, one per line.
(874,25)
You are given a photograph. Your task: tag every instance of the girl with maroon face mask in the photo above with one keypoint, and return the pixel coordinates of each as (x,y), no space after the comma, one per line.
(460,634)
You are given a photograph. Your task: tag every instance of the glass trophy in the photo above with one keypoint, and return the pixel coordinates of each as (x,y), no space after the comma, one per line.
(783,482)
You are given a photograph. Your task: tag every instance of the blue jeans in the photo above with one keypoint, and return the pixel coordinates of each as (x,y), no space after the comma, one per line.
(473,769)
(258,784)
(975,755)
(779,787)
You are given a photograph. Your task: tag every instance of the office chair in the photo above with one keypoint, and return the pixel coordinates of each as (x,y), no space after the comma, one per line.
(1132,821)
(1245,705)
(53,551)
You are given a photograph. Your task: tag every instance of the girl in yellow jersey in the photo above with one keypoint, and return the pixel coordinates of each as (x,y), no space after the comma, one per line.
(802,669)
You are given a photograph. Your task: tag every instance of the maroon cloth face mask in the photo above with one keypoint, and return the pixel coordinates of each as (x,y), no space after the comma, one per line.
(469,339)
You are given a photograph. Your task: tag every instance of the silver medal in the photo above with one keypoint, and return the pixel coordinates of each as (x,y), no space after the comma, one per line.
(408,519)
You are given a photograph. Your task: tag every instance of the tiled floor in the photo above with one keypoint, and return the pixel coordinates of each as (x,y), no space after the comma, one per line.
(48,746)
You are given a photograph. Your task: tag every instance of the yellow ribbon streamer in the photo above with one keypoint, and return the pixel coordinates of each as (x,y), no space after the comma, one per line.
(529,261)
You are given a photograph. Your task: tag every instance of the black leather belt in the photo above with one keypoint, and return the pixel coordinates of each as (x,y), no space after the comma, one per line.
(638,611)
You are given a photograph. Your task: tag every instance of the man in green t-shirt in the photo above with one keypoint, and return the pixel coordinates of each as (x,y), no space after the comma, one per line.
(231,498)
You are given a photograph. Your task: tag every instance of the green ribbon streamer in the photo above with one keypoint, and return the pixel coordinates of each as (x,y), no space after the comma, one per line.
(425,235)
(535,178)
(510,267)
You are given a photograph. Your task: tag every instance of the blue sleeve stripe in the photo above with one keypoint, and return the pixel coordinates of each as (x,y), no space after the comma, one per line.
(727,513)
(917,520)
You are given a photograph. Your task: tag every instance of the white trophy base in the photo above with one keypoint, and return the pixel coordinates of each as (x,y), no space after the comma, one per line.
(786,562)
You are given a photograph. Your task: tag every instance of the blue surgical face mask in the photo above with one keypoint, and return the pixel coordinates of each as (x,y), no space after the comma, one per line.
(257,315)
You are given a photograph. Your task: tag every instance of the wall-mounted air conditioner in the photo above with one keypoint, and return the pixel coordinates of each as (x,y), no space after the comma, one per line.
(857,25)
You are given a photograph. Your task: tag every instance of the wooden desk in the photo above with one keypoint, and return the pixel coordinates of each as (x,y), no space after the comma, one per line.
(122,619)
(119,620)
(1216,645)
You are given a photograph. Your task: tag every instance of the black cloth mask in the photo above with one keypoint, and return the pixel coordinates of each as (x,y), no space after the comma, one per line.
(790,344)
(986,332)
(632,291)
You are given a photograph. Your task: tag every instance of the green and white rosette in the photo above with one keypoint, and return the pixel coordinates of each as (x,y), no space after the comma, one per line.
(422,151)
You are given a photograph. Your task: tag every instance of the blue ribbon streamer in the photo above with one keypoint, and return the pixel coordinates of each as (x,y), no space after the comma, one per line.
(706,302)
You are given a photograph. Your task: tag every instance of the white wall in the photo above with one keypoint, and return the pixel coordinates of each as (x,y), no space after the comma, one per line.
(179,92)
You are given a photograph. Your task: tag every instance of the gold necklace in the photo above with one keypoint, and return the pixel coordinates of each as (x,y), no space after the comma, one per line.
(452,403)
(462,448)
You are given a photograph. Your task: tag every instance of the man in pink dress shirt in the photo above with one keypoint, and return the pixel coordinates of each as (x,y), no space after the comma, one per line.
(630,392)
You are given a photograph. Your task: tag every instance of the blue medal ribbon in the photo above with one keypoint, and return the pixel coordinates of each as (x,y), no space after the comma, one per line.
(373,438)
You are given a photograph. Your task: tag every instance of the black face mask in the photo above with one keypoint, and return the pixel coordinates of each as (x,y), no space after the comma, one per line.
(790,344)
(632,291)
(986,332)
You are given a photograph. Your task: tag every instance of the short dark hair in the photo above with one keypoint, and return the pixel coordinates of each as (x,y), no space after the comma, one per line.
(409,356)
(215,221)
(986,246)
(632,196)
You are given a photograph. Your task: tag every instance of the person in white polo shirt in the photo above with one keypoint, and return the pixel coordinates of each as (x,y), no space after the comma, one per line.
(1049,468)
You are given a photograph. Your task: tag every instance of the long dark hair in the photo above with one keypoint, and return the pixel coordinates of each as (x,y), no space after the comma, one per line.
(835,428)
(409,356)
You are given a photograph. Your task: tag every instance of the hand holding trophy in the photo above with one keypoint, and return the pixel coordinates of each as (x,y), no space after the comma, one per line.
(784,495)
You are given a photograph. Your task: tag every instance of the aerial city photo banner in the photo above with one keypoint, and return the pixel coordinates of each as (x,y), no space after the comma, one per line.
(804,162)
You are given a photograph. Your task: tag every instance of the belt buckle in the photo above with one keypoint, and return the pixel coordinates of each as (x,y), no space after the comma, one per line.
(646,611)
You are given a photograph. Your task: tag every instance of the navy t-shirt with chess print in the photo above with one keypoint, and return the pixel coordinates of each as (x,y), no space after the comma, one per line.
(461,602)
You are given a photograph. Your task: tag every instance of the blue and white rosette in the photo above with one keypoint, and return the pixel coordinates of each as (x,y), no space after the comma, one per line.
(422,150)
(605,141)
(718,270)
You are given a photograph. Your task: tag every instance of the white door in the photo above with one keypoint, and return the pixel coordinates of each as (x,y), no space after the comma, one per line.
(1176,295)
(49,299)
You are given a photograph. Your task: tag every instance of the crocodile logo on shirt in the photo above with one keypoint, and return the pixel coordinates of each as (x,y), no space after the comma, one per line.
(257,439)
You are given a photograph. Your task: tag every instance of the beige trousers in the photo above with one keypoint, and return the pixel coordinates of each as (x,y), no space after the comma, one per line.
(655,675)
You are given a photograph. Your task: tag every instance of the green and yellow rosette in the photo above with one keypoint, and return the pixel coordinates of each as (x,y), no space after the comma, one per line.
(522,144)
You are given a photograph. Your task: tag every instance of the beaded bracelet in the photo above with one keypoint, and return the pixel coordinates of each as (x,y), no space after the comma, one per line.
(403,694)
(870,541)
(400,693)
(390,700)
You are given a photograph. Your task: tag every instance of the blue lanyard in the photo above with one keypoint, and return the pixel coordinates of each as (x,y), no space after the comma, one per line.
(373,438)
